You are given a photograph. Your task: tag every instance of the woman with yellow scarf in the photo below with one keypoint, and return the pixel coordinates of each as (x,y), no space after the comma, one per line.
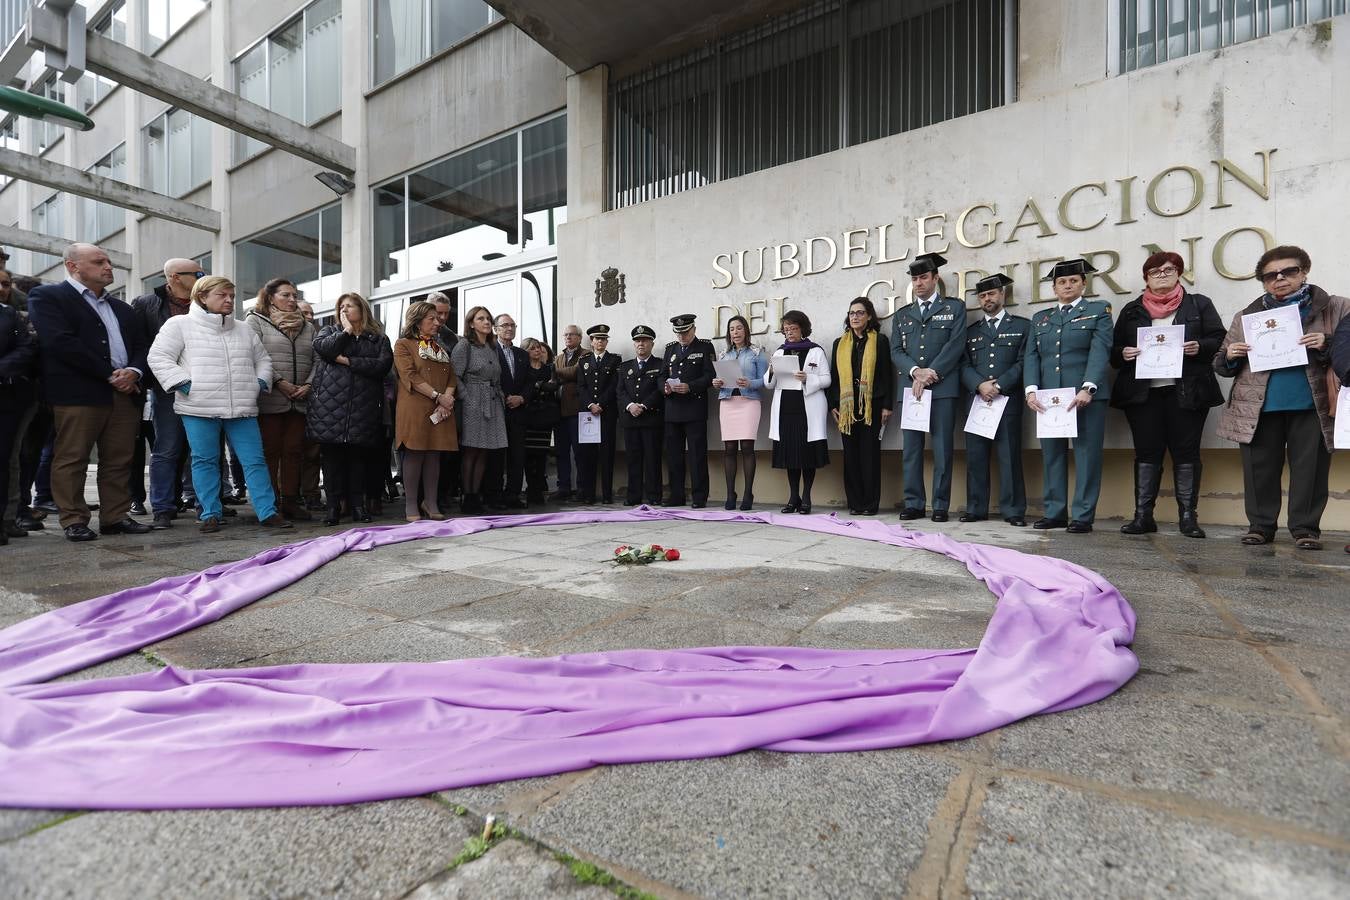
(861,394)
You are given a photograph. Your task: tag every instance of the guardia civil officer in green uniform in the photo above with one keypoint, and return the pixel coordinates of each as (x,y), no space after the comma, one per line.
(640,395)
(687,373)
(996,343)
(928,344)
(1070,346)
(597,381)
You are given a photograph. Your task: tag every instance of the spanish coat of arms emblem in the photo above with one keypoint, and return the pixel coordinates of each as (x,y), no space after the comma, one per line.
(610,288)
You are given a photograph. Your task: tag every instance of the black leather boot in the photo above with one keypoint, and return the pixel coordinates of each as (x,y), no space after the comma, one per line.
(1147,477)
(1187,477)
(334,516)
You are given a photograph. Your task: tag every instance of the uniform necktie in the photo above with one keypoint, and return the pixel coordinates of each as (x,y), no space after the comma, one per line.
(993,323)
(923,308)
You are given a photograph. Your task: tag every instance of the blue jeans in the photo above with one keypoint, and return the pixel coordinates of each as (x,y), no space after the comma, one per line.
(165,454)
(203,436)
(565,442)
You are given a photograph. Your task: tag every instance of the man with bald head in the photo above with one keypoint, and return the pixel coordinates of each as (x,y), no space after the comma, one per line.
(93,359)
(153,310)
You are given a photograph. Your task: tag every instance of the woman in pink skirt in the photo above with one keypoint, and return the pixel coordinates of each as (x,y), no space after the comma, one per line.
(738,411)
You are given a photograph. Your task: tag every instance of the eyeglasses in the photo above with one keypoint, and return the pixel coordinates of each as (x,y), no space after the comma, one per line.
(857,312)
(1164,272)
(506,324)
(1286,274)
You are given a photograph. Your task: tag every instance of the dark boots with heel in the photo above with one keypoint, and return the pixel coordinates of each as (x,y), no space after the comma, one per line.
(1147,477)
(1187,477)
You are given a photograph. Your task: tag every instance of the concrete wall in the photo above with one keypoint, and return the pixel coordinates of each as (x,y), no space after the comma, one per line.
(1072,126)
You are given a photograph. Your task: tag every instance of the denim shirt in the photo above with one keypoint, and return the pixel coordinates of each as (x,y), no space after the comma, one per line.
(753,366)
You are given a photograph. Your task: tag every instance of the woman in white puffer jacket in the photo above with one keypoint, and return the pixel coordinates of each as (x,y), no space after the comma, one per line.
(215,367)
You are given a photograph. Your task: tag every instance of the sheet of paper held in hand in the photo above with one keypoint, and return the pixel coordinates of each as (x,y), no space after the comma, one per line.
(785,369)
(985,415)
(728,370)
(1273,337)
(1161,351)
(915,415)
(1058,421)
(588,428)
(1342,441)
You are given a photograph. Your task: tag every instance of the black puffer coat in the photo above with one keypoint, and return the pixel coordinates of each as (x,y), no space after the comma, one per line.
(346,403)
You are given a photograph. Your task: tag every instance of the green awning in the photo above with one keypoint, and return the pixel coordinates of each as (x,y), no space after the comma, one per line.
(34,107)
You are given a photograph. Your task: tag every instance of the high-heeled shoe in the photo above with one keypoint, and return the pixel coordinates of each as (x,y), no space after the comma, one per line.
(792,506)
(437,516)
(731,501)
(334,516)
(359,514)
(804,508)
(747,502)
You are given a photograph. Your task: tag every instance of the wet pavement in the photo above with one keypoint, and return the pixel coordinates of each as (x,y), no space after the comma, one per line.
(1222,769)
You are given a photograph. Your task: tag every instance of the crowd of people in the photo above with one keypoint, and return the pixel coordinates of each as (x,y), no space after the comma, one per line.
(261,407)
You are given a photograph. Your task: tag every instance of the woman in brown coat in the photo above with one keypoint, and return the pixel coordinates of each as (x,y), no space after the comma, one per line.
(426,391)
(1284,412)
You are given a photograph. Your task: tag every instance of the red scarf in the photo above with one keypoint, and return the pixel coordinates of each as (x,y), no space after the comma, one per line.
(1163,306)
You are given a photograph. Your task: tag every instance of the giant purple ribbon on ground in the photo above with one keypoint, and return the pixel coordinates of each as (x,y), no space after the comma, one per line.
(310,734)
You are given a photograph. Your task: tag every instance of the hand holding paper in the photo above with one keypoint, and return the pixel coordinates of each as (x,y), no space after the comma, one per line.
(916,412)
(1057,420)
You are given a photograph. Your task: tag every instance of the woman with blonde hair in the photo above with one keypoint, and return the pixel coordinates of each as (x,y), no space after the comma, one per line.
(215,369)
(345,410)
(289,342)
(482,407)
(424,423)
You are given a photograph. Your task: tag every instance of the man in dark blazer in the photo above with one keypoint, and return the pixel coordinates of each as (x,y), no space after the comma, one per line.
(514,363)
(93,358)
(688,373)
(640,392)
(995,345)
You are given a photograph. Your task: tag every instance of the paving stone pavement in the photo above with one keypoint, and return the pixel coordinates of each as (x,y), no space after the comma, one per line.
(1222,770)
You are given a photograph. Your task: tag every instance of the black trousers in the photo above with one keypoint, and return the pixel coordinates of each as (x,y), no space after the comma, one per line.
(344,472)
(687,442)
(862,465)
(136,482)
(643,449)
(1297,436)
(593,459)
(449,484)
(1160,426)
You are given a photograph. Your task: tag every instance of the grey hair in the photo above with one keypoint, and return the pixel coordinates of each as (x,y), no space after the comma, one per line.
(437,297)
(74,251)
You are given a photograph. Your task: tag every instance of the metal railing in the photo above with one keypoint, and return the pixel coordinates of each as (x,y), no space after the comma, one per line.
(1155,31)
(832,74)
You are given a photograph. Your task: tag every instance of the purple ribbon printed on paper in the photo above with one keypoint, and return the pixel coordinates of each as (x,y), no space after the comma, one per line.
(318,734)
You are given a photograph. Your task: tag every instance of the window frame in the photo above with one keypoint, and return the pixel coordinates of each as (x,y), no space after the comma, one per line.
(87,206)
(145,156)
(146,38)
(428,52)
(318,212)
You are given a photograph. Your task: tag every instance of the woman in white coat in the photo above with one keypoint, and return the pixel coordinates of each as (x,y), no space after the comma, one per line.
(215,367)
(800,411)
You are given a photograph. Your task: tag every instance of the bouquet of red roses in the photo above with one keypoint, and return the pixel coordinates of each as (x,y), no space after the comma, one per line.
(641,556)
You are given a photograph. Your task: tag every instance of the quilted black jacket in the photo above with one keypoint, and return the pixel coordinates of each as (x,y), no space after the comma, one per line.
(346,403)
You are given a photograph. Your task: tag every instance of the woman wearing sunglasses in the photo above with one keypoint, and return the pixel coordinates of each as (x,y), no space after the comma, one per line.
(1283,412)
(1167,414)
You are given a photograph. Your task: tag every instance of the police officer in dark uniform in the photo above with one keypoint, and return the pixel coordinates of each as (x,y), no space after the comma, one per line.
(928,344)
(640,396)
(995,346)
(687,372)
(1070,346)
(597,381)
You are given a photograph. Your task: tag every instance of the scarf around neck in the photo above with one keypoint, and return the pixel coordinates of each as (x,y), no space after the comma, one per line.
(1162,306)
(843,358)
(292,323)
(1302,296)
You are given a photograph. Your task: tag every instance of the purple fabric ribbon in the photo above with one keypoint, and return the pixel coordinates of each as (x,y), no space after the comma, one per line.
(312,734)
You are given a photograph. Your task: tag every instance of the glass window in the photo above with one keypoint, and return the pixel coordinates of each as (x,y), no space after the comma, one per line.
(157,280)
(48,131)
(772,94)
(538,298)
(409,31)
(93,88)
(463,210)
(177,153)
(98,220)
(307,251)
(9,139)
(1154,31)
(544,181)
(323,59)
(467,210)
(295,72)
(163,19)
(49,219)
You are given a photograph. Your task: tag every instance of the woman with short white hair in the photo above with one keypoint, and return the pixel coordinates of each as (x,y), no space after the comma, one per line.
(215,367)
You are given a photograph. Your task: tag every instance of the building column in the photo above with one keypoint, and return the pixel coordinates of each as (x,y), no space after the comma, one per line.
(358,238)
(587,142)
(222,144)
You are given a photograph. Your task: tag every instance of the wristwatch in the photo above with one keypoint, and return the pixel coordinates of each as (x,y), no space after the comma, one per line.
(1089,388)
